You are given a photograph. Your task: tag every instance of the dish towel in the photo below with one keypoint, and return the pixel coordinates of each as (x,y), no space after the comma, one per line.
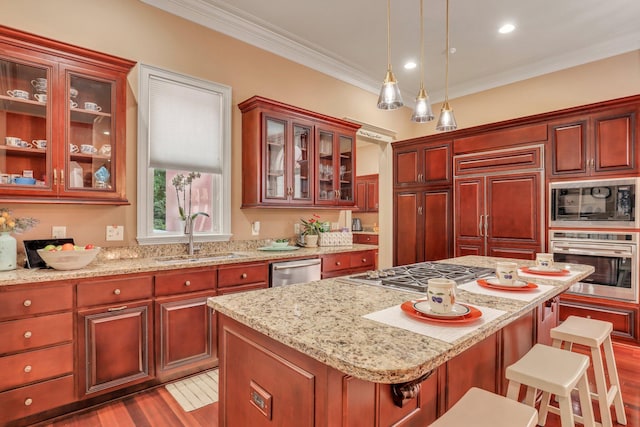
(394,316)
(529,295)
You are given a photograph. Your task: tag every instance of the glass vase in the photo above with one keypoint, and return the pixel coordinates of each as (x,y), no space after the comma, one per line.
(8,251)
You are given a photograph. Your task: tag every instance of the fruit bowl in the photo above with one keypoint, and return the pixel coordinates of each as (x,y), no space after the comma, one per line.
(68,260)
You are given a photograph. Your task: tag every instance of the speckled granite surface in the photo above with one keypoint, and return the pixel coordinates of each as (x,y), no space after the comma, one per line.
(143,259)
(324,320)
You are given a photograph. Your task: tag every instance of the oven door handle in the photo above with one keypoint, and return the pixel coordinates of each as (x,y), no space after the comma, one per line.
(588,250)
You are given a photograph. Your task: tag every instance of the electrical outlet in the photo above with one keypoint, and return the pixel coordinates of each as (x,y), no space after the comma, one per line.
(115,232)
(255,228)
(58,232)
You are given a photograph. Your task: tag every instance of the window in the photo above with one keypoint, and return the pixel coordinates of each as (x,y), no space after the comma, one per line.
(184,127)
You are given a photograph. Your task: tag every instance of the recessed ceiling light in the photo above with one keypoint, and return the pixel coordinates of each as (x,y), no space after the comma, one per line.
(506,28)
(410,65)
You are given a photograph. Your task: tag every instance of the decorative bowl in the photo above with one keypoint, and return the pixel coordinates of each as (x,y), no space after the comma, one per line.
(280,244)
(68,260)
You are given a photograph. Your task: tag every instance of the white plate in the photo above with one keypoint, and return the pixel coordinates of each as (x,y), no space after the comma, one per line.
(457,310)
(517,284)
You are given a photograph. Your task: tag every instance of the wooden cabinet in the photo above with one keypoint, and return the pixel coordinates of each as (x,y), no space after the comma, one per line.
(242,277)
(293,157)
(419,163)
(597,144)
(367,193)
(185,327)
(500,214)
(423,230)
(115,339)
(62,121)
(422,201)
(365,238)
(347,263)
(36,352)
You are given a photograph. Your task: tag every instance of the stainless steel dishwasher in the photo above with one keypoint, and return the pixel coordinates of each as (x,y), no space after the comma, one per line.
(292,272)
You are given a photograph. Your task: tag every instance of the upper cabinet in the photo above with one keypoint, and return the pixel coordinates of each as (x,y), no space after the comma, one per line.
(62,122)
(294,158)
(367,193)
(595,144)
(422,163)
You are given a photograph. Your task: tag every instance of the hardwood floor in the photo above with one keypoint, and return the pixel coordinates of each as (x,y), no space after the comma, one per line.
(157,408)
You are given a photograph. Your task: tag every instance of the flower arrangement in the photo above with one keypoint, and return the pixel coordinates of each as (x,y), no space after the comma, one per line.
(182,184)
(11,224)
(311,226)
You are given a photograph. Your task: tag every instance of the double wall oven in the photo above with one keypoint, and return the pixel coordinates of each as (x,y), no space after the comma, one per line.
(596,223)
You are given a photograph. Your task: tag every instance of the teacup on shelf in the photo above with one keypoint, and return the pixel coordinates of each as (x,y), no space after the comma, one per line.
(88,149)
(17,93)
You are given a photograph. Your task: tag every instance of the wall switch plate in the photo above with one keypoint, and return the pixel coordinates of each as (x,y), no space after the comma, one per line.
(58,232)
(296,228)
(115,232)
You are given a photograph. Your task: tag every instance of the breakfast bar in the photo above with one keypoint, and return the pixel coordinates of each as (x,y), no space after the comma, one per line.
(330,353)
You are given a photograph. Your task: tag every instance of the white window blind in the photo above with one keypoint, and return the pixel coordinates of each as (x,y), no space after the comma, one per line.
(185,132)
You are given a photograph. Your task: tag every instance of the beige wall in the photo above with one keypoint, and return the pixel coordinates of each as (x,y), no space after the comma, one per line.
(139,32)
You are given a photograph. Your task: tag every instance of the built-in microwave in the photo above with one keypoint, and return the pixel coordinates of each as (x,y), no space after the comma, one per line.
(594,203)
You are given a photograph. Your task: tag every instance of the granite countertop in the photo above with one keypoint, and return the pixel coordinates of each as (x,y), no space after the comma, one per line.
(324,320)
(133,262)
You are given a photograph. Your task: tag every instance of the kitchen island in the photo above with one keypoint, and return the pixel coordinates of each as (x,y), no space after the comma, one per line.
(305,355)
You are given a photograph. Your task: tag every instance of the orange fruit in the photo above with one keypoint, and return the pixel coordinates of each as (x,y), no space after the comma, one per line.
(68,247)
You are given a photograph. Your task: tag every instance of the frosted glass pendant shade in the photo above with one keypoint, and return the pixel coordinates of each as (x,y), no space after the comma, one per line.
(422,112)
(390,97)
(447,120)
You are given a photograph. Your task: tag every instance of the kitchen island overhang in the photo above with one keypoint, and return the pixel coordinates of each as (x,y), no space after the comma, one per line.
(321,324)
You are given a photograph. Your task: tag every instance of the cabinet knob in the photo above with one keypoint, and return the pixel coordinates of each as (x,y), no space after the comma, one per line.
(28,401)
(187,283)
(27,369)
(27,334)
(27,303)
(243,275)
(116,292)
(337,262)
(364,260)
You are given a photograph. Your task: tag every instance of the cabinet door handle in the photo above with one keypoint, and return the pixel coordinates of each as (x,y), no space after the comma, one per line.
(243,276)
(116,292)
(117,308)
(187,283)
(27,369)
(55,177)
(486,225)
(62,177)
(480,226)
(27,303)
(27,334)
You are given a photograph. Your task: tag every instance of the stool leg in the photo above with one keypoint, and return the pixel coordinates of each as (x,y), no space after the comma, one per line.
(513,390)
(601,387)
(566,412)
(544,408)
(612,370)
(585,402)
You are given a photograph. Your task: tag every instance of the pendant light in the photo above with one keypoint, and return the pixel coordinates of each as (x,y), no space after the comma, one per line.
(422,112)
(446,121)
(390,97)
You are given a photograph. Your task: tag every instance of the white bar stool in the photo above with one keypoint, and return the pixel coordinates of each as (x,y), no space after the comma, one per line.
(481,408)
(553,371)
(595,334)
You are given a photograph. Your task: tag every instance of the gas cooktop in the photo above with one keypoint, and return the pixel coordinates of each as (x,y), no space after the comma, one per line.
(414,277)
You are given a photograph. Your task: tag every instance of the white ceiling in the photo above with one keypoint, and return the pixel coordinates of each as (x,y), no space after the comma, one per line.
(347,38)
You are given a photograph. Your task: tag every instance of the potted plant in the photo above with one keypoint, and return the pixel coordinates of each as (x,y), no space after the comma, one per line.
(311,228)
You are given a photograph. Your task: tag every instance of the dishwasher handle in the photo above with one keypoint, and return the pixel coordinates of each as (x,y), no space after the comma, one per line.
(296,264)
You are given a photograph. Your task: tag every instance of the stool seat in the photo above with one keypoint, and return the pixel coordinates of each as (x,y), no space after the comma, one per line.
(481,408)
(595,334)
(583,331)
(553,371)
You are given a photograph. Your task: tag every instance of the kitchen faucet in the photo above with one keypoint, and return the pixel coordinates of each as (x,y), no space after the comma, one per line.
(188,230)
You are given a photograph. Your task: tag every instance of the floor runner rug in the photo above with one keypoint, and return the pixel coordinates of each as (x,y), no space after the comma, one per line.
(195,392)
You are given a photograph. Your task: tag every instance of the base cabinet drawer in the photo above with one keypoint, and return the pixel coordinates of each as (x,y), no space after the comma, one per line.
(25,334)
(37,365)
(29,400)
(624,320)
(29,302)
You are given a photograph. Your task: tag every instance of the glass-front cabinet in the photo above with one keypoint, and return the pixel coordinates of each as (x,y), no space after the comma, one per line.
(295,158)
(62,122)
(335,174)
(288,163)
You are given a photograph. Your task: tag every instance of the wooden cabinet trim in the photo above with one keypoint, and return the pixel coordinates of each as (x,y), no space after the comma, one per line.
(501,138)
(499,161)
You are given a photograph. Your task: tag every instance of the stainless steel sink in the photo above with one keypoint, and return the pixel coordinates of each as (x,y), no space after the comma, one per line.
(187,259)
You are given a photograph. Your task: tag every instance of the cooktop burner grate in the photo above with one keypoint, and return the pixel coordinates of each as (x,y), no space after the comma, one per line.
(415,277)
